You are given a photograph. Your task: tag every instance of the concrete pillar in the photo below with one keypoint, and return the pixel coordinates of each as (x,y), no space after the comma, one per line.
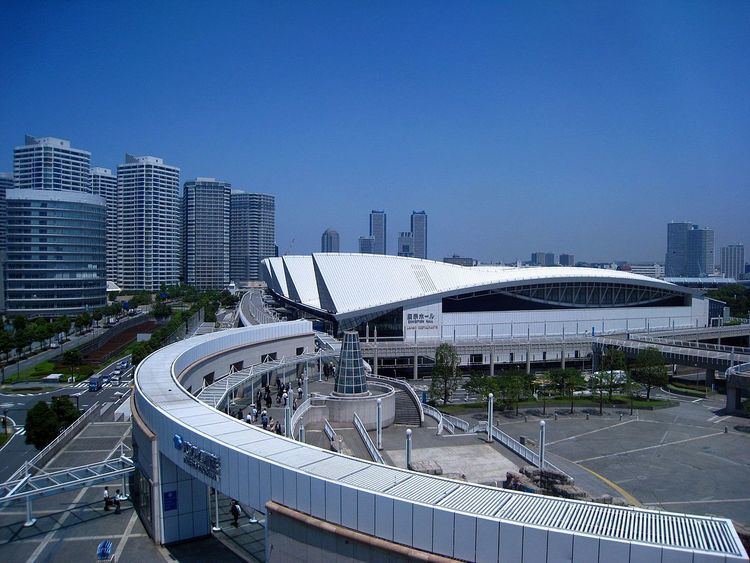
(492,361)
(408,448)
(375,357)
(416,362)
(379,425)
(562,352)
(541,443)
(490,418)
(734,398)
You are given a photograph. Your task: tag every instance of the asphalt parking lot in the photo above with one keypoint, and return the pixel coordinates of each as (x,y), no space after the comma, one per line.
(677,459)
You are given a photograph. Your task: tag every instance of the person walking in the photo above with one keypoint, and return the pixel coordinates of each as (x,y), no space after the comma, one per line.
(117,501)
(236,512)
(255,414)
(107,500)
(299,393)
(264,420)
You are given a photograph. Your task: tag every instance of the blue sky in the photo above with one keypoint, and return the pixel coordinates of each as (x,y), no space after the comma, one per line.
(555,126)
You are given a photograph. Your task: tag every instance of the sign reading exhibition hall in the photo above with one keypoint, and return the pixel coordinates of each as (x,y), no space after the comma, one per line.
(202,461)
(422,320)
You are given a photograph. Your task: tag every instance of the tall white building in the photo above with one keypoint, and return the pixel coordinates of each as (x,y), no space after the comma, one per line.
(104,184)
(148,223)
(253,233)
(379,232)
(205,206)
(6,183)
(48,163)
(733,261)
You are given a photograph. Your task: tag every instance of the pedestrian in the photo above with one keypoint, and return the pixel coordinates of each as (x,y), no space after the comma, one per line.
(268,400)
(236,511)
(294,404)
(264,420)
(285,398)
(106,498)
(255,413)
(299,393)
(117,501)
(279,429)
(249,417)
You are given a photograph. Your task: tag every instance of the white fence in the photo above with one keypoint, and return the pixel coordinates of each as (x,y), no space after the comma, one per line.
(438,416)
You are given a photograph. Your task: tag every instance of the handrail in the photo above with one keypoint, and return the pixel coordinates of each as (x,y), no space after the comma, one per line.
(438,416)
(62,436)
(371,449)
(401,384)
(521,450)
(302,408)
(457,422)
(331,433)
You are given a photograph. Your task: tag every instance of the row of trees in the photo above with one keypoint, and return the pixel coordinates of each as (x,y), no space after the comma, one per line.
(513,387)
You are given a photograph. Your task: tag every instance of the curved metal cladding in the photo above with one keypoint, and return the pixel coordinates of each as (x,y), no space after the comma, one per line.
(432,514)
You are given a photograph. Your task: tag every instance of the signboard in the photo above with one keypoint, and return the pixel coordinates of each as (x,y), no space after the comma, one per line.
(170,500)
(202,461)
(424,321)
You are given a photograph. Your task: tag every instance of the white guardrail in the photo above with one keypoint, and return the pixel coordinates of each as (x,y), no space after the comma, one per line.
(331,433)
(438,416)
(371,449)
(521,450)
(298,416)
(456,422)
(404,386)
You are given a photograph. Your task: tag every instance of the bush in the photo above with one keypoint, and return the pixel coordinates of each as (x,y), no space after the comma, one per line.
(42,425)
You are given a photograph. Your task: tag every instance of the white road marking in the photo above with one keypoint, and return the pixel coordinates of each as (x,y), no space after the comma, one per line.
(648,447)
(125,536)
(590,432)
(697,501)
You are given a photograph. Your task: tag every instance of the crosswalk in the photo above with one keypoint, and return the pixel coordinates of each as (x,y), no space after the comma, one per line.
(20,430)
(85,385)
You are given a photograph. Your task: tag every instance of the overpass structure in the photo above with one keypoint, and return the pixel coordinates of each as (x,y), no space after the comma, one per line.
(320,504)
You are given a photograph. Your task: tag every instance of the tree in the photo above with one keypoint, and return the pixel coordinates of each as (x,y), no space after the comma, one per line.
(6,345)
(19,323)
(73,358)
(481,384)
(79,323)
(445,375)
(512,387)
(42,425)
(650,370)
(65,411)
(567,381)
(161,310)
(98,315)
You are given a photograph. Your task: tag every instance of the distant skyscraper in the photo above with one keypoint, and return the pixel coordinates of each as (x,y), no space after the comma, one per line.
(567,260)
(104,184)
(700,252)
(253,234)
(549,259)
(675,264)
(379,232)
(148,223)
(366,245)
(47,163)
(733,261)
(56,232)
(537,258)
(329,242)
(6,183)
(419,232)
(205,206)
(406,244)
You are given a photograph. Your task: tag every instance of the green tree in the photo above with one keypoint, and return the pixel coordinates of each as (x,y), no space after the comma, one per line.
(161,310)
(613,360)
(73,358)
(98,315)
(65,411)
(21,339)
(19,323)
(481,384)
(512,387)
(650,370)
(567,381)
(42,425)
(62,325)
(6,346)
(446,376)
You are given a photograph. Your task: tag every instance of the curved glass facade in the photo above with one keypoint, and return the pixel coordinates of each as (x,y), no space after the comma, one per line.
(565,295)
(56,261)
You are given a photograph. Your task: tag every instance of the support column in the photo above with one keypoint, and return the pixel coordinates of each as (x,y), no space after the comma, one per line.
(562,351)
(408,448)
(490,413)
(375,358)
(710,378)
(492,361)
(528,350)
(379,426)
(541,443)
(416,362)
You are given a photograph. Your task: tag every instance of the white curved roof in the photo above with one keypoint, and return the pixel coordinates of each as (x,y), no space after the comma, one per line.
(348,283)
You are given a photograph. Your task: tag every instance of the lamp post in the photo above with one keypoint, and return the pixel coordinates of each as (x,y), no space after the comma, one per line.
(542,425)
(408,448)
(490,422)
(379,433)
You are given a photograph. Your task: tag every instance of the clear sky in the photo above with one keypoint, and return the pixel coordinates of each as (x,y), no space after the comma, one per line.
(518,126)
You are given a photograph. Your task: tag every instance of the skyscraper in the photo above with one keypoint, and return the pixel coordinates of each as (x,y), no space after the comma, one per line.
(253,233)
(366,245)
(47,163)
(379,232)
(537,258)
(567,260)
(329,242)
(406,244)
(148,223)
(733,261)
(104,184)
(700,252)
(549,259)
(6,183)
(419,233)
(56,232)
(690,250)
(205,206)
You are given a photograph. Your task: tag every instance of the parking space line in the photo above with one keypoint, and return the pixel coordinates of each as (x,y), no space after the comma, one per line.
(590,432)
(125,536)
(649,447)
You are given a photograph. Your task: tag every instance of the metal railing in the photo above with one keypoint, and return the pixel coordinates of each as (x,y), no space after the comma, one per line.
(404,386)
(432,412)
(522,451)
(63,436)
(456,422)
(298,415)
(331,433)
(371,449)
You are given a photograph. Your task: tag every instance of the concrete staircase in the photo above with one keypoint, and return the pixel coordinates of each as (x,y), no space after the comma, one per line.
(406,410)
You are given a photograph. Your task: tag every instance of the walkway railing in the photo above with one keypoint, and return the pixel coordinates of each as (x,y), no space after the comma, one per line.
(456,422)
(299,415)
(404,386)
(432,412)
(40,458)
(522,451)
(371,449)
(331,433)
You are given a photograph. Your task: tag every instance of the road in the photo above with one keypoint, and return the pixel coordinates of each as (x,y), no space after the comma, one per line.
(16,451)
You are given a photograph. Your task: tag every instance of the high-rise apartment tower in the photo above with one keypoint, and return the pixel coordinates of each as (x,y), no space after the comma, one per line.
(419,233)
(733,261)
(329,242)
(252,233)
(104,184)
(379,232)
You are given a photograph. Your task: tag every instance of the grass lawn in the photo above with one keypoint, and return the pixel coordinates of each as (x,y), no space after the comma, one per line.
(4,438)
(47,367)
(579,402)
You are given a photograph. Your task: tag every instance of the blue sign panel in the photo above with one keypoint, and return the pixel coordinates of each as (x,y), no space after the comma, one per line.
(170,500)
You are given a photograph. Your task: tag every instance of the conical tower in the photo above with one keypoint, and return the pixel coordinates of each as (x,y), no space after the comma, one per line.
(350,377)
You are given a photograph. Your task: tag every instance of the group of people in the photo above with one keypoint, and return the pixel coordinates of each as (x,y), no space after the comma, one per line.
(110,501)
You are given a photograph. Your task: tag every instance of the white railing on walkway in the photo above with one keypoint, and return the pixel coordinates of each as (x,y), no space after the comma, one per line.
(331,433)
(298,415)
(432,412)
(371,449)
(522,451)
(404,386)
(456,422)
